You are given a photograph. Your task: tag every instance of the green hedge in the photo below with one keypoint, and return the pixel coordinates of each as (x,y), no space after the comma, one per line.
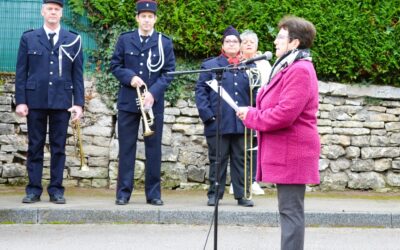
(357,41)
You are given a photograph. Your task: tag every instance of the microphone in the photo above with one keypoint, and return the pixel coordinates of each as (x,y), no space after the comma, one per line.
(266,56)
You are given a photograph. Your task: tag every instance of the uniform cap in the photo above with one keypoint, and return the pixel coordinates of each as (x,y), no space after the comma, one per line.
(146,5)
(59,2)
(231,31)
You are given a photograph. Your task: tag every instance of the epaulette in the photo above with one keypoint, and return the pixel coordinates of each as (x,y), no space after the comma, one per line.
(28,31)
(167,37)
(127,32)
(74,32)
(208,59)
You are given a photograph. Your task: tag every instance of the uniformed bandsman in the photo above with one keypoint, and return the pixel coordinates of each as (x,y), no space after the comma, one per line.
(236,84)
(49,87)
(141,57)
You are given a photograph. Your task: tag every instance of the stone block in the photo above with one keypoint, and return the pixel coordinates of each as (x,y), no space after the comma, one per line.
(333,151)
(367,180)
(99,183)
(334,181)
(94,172)
(339,165)
(393,179)
(379,152)
(7,129)
(12,170)
(196,173)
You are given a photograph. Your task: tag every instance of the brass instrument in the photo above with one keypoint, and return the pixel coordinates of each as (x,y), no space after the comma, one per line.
(76,127)
(254,82)
(147,114)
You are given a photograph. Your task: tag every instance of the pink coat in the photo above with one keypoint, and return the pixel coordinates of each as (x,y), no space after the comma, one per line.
(286,120)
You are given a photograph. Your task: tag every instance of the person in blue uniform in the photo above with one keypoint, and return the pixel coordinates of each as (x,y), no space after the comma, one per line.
(236,84)
(48,88)
(142,56)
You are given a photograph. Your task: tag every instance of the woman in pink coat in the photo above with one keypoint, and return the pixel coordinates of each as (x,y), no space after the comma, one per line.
(285,117)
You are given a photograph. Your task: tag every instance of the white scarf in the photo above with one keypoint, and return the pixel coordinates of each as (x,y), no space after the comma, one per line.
(287,59)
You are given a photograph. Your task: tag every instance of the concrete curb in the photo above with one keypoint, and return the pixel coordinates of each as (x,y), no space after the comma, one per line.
(86,206)
(198,217)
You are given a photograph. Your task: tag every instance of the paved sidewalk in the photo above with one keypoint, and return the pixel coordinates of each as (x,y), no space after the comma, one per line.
(348,209)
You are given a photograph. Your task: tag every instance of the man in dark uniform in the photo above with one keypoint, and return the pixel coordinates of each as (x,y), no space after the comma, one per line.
(49,87)
(236,84)
(141,57)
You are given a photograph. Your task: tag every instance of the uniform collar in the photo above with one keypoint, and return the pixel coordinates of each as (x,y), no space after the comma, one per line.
(150,34)
(47,30)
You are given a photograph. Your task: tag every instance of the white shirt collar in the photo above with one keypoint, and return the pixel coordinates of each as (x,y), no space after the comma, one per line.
(48,31)
(150,34)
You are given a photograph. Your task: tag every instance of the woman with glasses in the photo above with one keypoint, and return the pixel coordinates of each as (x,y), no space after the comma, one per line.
(236,84)
(285,117)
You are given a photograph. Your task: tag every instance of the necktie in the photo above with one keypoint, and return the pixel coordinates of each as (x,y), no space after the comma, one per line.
(144,38)
(51,39)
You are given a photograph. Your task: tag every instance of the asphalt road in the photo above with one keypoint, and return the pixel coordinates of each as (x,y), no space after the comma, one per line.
(186,237)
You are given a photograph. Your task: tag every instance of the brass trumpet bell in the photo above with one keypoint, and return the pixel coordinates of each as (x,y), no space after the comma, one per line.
(147,114)
(76,127)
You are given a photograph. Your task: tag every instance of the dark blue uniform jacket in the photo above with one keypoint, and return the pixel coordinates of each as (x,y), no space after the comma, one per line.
(130,59)
(236,84)
(38,82)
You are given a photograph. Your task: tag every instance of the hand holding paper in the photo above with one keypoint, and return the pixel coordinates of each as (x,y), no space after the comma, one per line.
(242,112)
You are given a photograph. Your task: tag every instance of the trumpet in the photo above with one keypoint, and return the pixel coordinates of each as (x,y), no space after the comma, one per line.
(254,82)
(76,127)
(147,114)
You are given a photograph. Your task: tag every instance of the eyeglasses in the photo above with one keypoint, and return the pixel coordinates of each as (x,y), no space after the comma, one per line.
(231,41)
(282,37)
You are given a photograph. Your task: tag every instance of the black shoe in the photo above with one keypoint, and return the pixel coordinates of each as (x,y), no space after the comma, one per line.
(121,201)
(211,201)
(57,198)
(245,203)
(155,202)
(31,198)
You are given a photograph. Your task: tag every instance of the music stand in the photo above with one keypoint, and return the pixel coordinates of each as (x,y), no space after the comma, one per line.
(219,72)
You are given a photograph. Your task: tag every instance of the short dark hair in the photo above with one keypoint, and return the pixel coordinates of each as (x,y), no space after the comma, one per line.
(299,28)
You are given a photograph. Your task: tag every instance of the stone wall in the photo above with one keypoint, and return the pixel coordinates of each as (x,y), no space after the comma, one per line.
(359,128)
(360,137)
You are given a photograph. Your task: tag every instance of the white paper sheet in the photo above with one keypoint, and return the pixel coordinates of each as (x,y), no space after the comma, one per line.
(225,96)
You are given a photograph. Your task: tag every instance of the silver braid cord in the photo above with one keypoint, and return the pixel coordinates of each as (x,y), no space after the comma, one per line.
(158,65)
(61,49)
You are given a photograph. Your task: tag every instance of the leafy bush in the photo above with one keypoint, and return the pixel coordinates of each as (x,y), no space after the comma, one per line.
(182,87)
(356,40)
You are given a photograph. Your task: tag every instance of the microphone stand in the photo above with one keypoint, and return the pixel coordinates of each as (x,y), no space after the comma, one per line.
(219,72)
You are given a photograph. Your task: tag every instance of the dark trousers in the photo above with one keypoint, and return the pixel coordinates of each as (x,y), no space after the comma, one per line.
(232,150)
(291,216)
(37,128)
(128,127)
